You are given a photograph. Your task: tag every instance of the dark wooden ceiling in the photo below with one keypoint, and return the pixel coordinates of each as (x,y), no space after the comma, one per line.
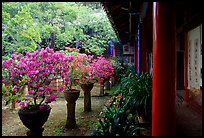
(118,14)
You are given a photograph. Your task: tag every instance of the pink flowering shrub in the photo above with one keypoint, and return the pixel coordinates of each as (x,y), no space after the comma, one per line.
(80,69)
(37,69)
(40,68)
(9,67)
(85,69)
(103,68)
(12,80)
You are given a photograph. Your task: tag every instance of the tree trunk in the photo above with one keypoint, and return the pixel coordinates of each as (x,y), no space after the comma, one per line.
(52,40)
(113,81)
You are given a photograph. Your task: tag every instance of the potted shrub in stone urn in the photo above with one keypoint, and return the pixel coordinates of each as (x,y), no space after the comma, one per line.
(87,79)
(71,94)
(39,67)
(103,70)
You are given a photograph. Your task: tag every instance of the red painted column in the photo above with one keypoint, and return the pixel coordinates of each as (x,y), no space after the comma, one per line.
(164,70)
(186,96)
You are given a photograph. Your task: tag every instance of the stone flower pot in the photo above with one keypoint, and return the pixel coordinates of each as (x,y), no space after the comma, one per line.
(71,96)
(34,120)
(101,82)
(107,83)
(87,96)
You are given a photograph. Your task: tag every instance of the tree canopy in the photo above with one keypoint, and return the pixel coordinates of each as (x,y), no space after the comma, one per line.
(55,24)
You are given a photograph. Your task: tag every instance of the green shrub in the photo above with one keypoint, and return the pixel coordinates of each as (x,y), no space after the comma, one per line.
(138,89)
(117,120)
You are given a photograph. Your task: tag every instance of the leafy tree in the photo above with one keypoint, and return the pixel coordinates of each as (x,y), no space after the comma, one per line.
(55,24)
(18,29)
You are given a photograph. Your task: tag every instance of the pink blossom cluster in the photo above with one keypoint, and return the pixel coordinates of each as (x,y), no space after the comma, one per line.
(79,69)
(51,98)
(10,67)
(103,68)
(39,67)
(85,69)
(13,74)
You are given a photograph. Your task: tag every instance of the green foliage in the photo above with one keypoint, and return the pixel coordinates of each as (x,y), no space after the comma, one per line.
(141,97)
(125,71)
(93,5)
(4,73)
(6,90)
(133,100)
(18,28)
(117,65)
(138,89)
(8,97)
(117,120)
(58,131)
(5,57)
(25,23)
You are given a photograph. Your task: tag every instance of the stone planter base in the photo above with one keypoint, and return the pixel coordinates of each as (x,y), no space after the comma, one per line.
(34,120)
(87,96)
(71,97)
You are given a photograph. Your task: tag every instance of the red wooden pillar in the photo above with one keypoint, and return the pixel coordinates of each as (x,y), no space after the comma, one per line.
(143,49)
(186,95)
(164,70)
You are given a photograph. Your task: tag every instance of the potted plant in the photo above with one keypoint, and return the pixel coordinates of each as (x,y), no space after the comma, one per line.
(103,70)
(71,94)
(84,70)
(78,66)
(80,73)
(92,70)
(39,68)
(87,80)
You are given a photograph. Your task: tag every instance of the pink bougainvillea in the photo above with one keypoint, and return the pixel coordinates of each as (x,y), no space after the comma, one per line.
(37,69)
(85,69)
(80,69)
(103,68)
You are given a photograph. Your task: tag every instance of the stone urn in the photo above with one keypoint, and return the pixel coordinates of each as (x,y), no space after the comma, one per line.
(34,119)
(101,82)
(71,96)
(87,96)
(107,83)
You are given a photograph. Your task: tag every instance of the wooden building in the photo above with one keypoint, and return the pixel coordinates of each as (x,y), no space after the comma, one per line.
(165,38)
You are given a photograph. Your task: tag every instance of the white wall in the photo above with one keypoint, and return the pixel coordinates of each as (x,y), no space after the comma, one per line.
(194,58)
